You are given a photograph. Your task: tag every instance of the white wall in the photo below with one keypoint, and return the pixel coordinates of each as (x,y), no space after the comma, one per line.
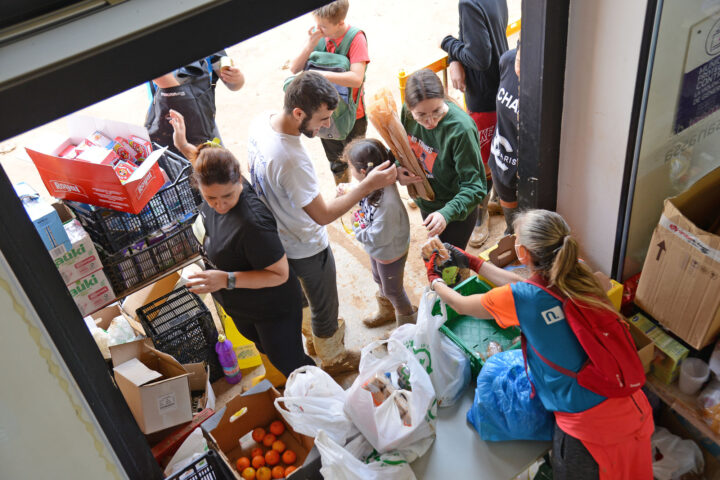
(602,62)
(46,428)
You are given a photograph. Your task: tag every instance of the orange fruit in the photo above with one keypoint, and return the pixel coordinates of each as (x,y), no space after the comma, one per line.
(278,472)
(289,457)
(289,470)
(248,473)
(277,428)
(272,457)
(258,434)
(257,452)
(269,439)
(278,446)
(258,461)
(263,473)
(242,463)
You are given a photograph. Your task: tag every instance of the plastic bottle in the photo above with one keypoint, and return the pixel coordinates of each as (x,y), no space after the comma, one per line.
(228,360)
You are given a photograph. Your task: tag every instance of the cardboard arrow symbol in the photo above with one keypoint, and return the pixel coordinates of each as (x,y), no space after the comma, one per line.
(661,248)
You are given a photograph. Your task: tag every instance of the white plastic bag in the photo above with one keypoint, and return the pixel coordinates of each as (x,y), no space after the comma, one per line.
(357,462)
(120,331)
(447,365)
(384,425)
(313,401)
(679,456)
(191,449)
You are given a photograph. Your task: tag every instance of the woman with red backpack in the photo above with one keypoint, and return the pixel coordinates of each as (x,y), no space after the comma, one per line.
(584,365)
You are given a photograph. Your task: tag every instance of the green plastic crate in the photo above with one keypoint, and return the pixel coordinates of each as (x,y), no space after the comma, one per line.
(472,334)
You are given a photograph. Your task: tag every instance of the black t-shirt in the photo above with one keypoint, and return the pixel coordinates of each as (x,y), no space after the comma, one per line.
(242,240)
(504,149)
(194,98)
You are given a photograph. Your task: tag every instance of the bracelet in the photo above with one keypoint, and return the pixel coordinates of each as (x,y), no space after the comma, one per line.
(230,280)
(432,284)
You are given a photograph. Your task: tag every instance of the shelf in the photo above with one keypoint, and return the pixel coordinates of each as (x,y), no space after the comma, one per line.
(684,405)
(151,280)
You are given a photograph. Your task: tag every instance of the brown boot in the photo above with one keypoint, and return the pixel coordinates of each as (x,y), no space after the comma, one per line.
(481,232)
(334,358)
(342,177)
(403,319)
(307,332)
(384,315)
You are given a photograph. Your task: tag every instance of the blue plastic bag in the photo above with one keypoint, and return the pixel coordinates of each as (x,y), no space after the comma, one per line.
(503,409)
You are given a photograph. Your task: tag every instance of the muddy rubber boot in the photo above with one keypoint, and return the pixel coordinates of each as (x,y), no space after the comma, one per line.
(404,319)
(384,315)
(510,214)
(481,232)
(307,331)
(334,358)
(272,374)
(342,177)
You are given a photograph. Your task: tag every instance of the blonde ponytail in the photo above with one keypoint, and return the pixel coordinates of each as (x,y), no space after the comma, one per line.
(554,253)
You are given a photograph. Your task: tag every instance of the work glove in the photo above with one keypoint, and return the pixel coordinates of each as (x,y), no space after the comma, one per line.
(462,259)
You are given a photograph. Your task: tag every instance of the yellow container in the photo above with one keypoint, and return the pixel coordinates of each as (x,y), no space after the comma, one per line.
(615,294)
(247,354)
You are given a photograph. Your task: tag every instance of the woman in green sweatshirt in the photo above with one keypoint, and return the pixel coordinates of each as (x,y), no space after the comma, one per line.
(445,141)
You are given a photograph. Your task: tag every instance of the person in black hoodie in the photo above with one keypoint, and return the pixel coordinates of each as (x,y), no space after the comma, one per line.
(474,69)
(504,149)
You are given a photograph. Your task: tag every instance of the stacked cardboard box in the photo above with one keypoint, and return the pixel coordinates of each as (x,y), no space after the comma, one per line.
(81,270)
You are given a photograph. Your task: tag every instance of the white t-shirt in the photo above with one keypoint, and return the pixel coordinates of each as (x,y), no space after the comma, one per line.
(284,178)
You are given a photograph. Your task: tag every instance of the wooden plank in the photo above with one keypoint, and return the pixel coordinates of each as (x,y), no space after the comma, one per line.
(684,405)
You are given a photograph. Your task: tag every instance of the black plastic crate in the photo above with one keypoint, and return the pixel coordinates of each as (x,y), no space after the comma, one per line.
(208,467)
(114,230)
(180,325)
(132,265)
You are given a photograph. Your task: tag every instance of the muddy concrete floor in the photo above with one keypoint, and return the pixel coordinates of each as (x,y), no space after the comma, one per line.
(401,35)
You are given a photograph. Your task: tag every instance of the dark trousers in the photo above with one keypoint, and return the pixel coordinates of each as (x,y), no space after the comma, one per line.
(334,148)
(389,277)
(458,232)
(280,339)
(571,460)
(319,282)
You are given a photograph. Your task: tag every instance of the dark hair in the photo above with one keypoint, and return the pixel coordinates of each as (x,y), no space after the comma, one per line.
(215,165)
(308,91)
(422,85)
(334,12)
(366,154)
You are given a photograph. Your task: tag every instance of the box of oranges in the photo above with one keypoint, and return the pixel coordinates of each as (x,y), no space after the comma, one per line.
(255,441)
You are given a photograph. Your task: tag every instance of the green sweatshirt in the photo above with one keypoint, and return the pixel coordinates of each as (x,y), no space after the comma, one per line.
(450,155)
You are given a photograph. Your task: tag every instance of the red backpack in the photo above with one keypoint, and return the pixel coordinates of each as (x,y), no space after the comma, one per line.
(613,368)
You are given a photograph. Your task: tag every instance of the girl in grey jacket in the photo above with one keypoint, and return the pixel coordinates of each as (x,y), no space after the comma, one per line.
(381,224)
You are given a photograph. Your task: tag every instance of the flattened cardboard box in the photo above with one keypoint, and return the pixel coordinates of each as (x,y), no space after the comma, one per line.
(680,281)
(155,386)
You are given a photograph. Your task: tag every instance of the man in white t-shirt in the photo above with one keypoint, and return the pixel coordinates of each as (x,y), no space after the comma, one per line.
(284,177)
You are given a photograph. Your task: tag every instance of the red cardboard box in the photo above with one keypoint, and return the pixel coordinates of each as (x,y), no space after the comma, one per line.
(85,182)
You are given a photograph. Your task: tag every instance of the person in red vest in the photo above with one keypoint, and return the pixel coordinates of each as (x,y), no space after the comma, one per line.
(596,436)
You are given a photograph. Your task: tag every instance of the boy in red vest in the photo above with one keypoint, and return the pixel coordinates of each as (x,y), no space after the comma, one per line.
(330,25)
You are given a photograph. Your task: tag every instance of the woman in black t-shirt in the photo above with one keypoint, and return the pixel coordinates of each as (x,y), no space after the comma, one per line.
(249,276)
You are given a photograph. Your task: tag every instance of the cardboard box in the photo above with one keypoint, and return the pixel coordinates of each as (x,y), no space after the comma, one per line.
(142,297)
(155,386)
(95,184)
(260,413)
(668,351)
(44,217)
(104,316)
(91,292)
(81,259)
(680,281)
(645,346)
